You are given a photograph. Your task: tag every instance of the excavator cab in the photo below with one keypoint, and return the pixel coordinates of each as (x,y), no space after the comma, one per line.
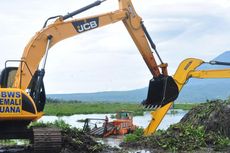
(7,77)
(161,91)
(124,115)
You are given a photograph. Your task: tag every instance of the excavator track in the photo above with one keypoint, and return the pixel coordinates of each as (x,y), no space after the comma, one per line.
(47,140)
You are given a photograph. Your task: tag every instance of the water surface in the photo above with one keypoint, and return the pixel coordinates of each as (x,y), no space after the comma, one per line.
(141,121)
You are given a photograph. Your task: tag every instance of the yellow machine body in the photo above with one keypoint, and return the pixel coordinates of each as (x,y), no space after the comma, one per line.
(16,104)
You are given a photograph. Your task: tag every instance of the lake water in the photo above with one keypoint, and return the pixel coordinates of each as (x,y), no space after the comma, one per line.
(141,121)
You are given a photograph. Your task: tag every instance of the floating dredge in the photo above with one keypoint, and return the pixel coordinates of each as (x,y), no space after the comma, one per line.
(123,124)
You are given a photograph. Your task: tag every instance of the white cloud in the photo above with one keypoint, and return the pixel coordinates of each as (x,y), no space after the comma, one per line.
(106,58)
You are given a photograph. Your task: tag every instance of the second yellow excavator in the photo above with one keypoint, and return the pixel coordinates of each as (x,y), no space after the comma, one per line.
(22,92)
(185,71)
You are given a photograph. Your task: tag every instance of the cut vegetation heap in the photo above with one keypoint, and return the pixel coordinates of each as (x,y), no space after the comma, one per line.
(206,126)
(214,116)
(73,139)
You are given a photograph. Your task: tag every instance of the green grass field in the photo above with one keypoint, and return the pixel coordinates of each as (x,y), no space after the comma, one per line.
(60,108)
(70,108)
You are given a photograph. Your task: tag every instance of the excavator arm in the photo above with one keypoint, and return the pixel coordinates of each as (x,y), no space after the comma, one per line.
(185,71)
(58,31)
(162,88)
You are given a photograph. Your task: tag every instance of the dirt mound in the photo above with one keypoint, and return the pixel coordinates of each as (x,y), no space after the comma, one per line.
(205,126)
(75,140)
(213,116)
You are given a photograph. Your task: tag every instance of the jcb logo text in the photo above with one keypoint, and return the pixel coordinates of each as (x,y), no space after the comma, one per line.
(85,25)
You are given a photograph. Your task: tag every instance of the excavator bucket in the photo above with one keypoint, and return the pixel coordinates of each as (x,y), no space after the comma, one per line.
(161,91)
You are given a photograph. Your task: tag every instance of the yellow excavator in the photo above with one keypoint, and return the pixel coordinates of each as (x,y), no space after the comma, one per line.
(22,92)
(185,71)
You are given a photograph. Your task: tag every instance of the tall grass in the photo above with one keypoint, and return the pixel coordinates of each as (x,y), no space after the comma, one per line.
(70,108)
(60,108)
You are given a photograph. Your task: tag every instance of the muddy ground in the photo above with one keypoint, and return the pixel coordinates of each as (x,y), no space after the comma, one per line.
(73,142)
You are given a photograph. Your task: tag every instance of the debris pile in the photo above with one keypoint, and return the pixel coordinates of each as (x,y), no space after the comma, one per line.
(213,116)
(75,140)
(205,127)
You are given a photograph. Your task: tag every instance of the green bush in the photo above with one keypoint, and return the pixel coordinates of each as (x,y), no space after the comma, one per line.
(57,123)
(135,136)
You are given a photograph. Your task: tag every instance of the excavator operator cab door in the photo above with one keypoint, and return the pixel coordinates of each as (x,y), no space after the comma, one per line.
(7,77)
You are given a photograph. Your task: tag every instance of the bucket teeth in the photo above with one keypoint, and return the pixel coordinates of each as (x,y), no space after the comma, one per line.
(162,91)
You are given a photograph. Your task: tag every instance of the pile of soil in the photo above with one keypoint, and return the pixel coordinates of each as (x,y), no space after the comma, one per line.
(74,141)
(213,116)
(77,141)
(205,127)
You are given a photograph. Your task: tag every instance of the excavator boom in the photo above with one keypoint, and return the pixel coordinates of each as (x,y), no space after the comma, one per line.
(162,88)
(185,71)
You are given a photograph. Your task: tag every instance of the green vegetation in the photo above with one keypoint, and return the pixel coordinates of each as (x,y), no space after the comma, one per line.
(204,126)
(185,106)
(181,137)
(8,142)
(14,142)
(135,136)
(57,123)
(60,108)
(196,137)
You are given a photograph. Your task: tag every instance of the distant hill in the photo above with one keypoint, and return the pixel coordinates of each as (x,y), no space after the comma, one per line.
(196,90)
(108,96)
(199,90)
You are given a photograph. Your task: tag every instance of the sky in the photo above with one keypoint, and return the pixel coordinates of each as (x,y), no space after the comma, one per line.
(106,59)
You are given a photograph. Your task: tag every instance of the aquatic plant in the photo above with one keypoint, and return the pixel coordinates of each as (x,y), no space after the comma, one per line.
(204,126)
